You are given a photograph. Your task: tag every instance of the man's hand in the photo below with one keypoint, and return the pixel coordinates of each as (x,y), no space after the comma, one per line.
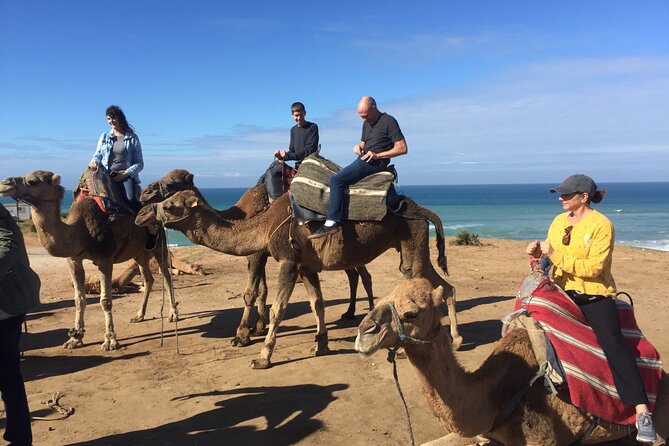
(358,150)
(93,165)
(280,154)
(369,156)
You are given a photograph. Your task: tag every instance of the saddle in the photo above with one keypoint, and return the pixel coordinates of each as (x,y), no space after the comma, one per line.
(555,323)
(98,185)
(310,191)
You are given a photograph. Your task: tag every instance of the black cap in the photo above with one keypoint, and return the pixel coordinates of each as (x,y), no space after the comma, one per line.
(577,183)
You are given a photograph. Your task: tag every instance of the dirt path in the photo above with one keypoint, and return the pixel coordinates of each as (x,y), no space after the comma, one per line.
(145,394)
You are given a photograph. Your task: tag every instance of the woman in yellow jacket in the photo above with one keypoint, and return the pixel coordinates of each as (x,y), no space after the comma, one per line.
(580,246)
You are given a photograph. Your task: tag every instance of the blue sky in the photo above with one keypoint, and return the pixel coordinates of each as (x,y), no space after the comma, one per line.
(485,91)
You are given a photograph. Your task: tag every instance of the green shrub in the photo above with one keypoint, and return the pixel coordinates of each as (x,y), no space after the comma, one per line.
(466,238)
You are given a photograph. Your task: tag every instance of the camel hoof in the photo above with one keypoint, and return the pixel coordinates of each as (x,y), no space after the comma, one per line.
(73,343)
(322,351)
(136,319)
(259,331)
(260,364)
(110,345)
(239,341)
(348,316)
(457,342)
(174,317)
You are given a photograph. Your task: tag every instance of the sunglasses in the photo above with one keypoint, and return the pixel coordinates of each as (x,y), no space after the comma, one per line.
(566,238)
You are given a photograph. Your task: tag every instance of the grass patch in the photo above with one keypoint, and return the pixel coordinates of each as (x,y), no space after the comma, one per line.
(466,238)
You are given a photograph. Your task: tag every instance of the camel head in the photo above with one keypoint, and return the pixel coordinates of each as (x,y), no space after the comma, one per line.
(173,181)
(36,187)
(417,309)
(176,208)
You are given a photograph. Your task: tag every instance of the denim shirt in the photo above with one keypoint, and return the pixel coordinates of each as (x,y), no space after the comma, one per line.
(133,151)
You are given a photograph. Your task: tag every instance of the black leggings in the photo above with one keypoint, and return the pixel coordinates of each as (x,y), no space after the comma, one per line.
(602,316)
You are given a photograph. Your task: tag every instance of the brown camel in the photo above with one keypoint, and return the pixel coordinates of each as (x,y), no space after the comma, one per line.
(88,234)
(252,202)
(467,403)
(357,244)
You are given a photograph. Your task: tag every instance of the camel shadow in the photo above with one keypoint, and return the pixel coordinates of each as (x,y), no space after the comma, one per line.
(475,334)
(40,367)
(288,419)
(483,300)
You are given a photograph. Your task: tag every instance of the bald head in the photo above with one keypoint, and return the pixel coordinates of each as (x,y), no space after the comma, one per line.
(367,109)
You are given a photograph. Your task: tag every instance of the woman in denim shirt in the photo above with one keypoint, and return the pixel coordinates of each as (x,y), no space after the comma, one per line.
(119,152)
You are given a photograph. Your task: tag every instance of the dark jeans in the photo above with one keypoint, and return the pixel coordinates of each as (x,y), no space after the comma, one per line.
(350,174)
(602,316)
(17,431)
(129,189)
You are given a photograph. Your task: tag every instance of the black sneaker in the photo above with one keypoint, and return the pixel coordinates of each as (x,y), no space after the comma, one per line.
(324,230)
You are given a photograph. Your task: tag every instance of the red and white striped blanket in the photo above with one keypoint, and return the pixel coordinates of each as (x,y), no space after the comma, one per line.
(589,378)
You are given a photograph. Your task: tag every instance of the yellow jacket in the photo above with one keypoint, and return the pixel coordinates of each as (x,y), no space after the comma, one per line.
(585,264)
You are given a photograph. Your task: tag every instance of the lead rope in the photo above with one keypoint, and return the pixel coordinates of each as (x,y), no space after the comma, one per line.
(164,254)
(403,337)
(391,359)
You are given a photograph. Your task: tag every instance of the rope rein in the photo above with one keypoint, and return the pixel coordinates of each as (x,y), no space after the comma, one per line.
(403,338)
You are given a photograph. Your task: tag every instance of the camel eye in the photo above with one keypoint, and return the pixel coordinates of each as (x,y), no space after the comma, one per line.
(32,182)
(410,315)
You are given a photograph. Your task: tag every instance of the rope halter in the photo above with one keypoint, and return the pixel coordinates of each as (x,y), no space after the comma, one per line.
(403,336)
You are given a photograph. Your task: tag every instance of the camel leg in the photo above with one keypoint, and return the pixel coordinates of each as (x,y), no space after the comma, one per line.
(147,278)
(162,256)
(367,285)
(313,286)
(255,292)
(105,267)
(353,277)
(287,278)
(76,334)
(454,439)
(415,262)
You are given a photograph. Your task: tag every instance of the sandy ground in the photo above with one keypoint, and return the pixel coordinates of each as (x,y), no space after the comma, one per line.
(206,394)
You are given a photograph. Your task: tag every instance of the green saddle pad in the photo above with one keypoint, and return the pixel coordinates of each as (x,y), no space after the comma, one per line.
(367,197)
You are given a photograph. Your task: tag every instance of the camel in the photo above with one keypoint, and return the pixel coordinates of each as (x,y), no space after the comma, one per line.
(357,244)
(467,403)
(252,202)
(88,234)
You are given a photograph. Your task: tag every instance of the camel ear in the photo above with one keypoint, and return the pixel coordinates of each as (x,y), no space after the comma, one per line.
(192,202)
(189,178)
(55,179)
(438,296)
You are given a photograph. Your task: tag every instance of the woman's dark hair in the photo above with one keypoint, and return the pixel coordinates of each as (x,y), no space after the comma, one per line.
(598,196)
(114,111)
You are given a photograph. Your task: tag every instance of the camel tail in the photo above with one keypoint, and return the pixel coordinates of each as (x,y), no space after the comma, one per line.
(439,229)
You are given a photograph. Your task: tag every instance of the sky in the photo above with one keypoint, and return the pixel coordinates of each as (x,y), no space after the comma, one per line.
(485,92)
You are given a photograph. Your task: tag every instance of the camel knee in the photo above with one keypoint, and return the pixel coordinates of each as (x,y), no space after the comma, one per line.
(106,304)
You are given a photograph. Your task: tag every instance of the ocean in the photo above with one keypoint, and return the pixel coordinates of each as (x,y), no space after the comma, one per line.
(639,211)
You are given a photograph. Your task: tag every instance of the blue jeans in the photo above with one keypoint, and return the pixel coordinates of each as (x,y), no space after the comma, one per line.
(350,174)
(129,190)
(18,430)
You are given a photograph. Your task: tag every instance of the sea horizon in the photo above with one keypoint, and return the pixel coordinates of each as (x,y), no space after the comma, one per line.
(639,211)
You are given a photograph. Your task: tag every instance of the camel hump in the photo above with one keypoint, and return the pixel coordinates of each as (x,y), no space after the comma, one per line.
(367,197)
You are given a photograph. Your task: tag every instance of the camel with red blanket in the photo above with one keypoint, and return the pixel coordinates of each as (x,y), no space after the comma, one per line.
(475,403)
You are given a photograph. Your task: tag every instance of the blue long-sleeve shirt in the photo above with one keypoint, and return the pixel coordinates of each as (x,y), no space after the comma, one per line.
(133,150)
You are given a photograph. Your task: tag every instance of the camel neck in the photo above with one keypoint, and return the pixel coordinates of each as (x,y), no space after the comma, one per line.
(457,398)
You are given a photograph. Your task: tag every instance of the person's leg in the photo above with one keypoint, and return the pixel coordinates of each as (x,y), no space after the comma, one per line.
(602,316)
(350,174)
(130,194)
(18,431)
(274,180)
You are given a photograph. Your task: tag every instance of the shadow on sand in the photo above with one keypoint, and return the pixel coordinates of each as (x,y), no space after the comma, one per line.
(287,414)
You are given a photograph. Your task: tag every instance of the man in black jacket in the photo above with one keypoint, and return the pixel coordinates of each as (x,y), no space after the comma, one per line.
(19,292)
(303,142)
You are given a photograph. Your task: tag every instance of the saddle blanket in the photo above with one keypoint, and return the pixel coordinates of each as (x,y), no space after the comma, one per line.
(367,197)
(98,185)
(589,378)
